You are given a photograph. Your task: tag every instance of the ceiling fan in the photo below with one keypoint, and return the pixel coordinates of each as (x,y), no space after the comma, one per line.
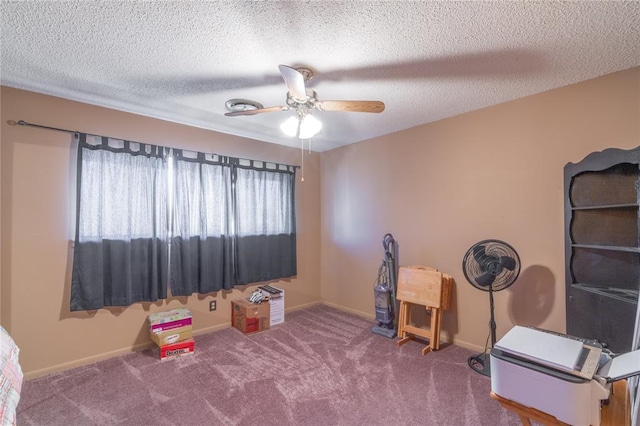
(301,99)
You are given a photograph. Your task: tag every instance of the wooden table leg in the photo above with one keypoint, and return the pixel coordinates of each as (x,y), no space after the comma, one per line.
(402,322)
(527,414)
(525,420)
(403,335)
(435,328)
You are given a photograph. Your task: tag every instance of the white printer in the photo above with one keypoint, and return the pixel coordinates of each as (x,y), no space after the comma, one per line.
(557,374)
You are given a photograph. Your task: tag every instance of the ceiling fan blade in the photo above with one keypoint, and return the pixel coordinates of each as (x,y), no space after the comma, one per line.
(486,279)
(354,106)
(257,111)
(295,83)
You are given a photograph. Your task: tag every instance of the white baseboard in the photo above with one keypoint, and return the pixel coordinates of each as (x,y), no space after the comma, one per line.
(142,346)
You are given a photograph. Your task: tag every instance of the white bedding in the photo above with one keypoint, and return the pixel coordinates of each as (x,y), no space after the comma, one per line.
(10,378)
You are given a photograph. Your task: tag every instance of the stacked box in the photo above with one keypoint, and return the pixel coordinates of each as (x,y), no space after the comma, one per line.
(172,331)
(170,337)
(173,350)
(276,302)
(176,318)
(250,317)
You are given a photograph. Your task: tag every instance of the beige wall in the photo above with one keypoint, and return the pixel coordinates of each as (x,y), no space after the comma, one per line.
(34,303)
(496,173)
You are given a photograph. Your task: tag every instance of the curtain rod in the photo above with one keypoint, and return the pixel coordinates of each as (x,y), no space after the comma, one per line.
(75,132)
(24,123)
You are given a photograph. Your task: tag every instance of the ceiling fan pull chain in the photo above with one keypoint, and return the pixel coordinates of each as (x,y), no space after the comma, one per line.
(302,160)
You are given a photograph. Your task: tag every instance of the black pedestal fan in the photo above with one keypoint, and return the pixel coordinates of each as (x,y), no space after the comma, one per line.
(490,265)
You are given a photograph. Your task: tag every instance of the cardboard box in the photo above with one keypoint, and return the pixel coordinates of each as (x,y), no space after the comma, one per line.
(185,347)
(174,335)
(250,317)
(176,318)
(276,301)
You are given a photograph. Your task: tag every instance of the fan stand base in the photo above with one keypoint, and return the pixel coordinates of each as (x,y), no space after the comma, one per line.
(480,363)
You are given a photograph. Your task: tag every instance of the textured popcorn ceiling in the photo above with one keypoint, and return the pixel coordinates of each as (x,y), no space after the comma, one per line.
(180,61)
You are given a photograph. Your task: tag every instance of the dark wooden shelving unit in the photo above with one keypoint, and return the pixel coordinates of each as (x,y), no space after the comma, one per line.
(602,246)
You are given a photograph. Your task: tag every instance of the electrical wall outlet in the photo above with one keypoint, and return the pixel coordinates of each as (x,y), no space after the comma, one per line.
(212,305)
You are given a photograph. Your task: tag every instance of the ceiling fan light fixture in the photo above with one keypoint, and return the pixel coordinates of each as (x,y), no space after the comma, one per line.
(290,127)
(309,126)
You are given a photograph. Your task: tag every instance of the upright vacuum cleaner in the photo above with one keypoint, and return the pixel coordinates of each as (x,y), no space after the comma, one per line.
(385,291)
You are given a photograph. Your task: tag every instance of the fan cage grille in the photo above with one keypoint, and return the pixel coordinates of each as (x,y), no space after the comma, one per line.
(474,270)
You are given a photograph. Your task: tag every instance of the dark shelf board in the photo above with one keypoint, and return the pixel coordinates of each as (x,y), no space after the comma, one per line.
(612,248)
(607,206)
(625,295)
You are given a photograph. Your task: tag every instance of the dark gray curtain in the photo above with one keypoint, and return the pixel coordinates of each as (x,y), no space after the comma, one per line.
(201,244)
(234,223)
(120,251)
(148,216)
(265,223)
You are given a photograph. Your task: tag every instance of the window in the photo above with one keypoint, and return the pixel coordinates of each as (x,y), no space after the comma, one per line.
(149,216)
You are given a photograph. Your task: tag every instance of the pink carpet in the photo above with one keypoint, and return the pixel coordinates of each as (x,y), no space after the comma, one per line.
(321,367)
